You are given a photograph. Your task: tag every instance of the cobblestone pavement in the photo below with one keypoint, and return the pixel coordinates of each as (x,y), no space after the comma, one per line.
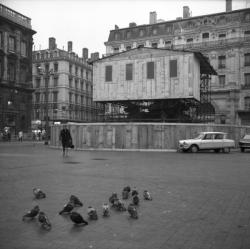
(200,201)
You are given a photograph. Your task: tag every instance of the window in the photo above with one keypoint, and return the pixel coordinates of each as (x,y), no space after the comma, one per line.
(128,34)
(76,71)
(46,68)
(81,73)
(150,70)
(70,82)
(70,68)
(37,97)
(1,68)
(208,137)
(154,45)
(218,136)
(23,74)
(70,97)
(108,73)
(247,32)
(247,59)
(128,47)
(1,39)
(76,99)
(12,44)
(76,83)
(189,40)
(11,72)
(222,61)
(247,103)
(81,85)
(168,43)
(81,100)
(247,80)
(173,68)
(23,49)
(116,50)
(222,80)
(205,36)
(129,71)
(55,82)
(38,83)
(55,94)
(55,67)
(140,46)
(221,36)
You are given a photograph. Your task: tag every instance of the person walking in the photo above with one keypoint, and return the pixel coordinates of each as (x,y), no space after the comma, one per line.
(65,139)
(20,136)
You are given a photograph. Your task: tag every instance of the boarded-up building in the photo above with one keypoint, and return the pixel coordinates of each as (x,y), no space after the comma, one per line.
(148,74)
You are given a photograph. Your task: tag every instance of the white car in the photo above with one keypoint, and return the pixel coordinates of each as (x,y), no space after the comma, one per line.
(216,141)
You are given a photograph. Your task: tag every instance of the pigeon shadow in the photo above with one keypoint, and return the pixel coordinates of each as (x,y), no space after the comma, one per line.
(77,228)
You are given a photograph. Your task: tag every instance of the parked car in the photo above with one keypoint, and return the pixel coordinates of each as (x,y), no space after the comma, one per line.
(244,143)
(216,141)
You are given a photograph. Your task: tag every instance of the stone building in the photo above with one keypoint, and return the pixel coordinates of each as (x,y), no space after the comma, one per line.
(63,86)
(224,38)
(15,70)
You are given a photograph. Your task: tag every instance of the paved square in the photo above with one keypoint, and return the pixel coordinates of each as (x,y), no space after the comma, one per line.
(200,200)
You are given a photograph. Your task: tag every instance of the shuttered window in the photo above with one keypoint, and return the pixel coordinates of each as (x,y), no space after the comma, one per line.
(129,71)
(108,73)
(150,70)
(173,68)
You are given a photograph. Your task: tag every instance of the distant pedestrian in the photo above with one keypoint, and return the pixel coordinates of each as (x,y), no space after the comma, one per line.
(65,139)
(20,136)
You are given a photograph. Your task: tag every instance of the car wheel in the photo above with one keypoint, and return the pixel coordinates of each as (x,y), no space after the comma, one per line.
(226,150)
(194,148)
(217,150)
(242,149)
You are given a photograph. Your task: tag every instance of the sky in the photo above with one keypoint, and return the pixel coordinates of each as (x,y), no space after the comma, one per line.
(87,22)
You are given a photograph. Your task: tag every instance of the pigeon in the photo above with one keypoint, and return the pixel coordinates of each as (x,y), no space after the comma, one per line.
(32,213)
(75,201)
(92,213)
(38,193)
(128,189)
(78,219)
(67,208)
(136,200)
(105,210)
(134,192)
(125,194)
(132,211)
(113,198)
(147,195)
(119,205)
(43,219)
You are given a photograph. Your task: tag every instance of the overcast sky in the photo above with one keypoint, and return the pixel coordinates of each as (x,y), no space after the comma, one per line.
(87,22)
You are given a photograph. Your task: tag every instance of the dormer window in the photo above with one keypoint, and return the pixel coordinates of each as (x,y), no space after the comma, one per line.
(141,33)
(128,34)
(154,31)
(117,36)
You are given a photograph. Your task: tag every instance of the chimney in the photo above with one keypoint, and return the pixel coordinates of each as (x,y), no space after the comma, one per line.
(228,5)
(94,56)
(85,53)
(52,43)
(186,12)
(70,45)
(152,17)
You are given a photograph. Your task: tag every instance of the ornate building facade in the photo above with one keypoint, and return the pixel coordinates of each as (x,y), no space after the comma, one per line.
(15,70)
(224,38)
(63,86)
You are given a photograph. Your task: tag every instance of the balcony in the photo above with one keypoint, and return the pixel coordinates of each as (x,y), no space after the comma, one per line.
(15,16)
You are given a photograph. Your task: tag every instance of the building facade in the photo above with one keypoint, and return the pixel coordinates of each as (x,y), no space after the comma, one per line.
(224,38)
(63,86)
(15,70)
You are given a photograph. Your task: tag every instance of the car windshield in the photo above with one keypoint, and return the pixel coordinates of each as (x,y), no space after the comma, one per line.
(247,136)
(201,135)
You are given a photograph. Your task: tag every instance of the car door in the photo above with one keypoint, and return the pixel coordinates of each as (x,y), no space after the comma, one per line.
(207,141)
(218,140)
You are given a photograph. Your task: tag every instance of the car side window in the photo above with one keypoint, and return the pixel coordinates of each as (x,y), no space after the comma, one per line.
(208,137)
(218,136)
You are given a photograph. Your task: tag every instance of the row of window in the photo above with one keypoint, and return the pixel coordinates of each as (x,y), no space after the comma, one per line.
(12,44)
(222,80)
(150,73)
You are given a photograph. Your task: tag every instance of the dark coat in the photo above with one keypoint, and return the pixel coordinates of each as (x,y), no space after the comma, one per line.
(65,137)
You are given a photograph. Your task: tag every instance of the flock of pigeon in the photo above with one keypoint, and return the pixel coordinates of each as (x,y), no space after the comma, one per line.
(74,201)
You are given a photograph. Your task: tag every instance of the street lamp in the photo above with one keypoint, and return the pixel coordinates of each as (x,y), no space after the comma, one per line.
(46,74)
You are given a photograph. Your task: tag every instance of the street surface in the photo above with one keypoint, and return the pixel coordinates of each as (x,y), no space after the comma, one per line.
(200,201)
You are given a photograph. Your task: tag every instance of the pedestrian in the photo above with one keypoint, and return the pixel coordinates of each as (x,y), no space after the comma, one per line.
(65,139)
(20,136)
